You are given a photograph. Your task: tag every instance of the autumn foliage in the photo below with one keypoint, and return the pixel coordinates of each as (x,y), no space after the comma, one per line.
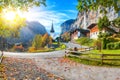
(40,41)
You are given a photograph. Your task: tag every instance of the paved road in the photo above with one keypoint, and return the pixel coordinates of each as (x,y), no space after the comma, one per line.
(71,70)
(66,68)
(53,54)
(72,45)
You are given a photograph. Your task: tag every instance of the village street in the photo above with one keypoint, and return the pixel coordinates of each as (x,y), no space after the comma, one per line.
(53,62)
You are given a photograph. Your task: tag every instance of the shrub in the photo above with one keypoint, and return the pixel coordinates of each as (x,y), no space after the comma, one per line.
(63,46)
(110,45)
(31,49)
(18,47)
(98,44)
(115,45)
(107,40)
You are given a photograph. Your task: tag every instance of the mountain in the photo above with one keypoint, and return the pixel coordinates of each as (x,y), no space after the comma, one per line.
(28,32)
(84,19)
(66,26)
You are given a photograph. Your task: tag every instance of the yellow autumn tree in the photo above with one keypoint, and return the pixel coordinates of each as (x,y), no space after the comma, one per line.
(45,40)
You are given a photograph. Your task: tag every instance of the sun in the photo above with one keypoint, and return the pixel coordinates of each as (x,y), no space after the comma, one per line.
(10,15)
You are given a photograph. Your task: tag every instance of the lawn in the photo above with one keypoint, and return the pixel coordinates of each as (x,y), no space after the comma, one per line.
(85,41)
(105,51)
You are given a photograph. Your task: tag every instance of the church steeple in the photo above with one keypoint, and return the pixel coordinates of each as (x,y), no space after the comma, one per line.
(52,28)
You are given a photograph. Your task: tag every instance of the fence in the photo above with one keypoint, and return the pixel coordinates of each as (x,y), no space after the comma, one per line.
(103,57)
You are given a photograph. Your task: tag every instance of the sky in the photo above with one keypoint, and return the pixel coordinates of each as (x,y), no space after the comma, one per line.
(57,11)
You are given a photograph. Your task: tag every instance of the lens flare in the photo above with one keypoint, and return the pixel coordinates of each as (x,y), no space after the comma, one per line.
(10,15)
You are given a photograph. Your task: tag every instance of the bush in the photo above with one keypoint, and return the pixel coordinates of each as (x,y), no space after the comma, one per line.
(110,46)
(63,46)
(115,45)
(98,44)
(107,40)
(31,49)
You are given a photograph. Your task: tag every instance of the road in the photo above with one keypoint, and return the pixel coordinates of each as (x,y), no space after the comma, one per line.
(72,45)
(54,63)
(53,54)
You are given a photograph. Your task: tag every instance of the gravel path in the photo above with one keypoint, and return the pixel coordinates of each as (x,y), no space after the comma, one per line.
(74,71)
(26,69)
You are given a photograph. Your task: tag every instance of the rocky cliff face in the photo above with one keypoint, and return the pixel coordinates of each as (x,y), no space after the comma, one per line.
(84,19)
(28,32)
(67,25)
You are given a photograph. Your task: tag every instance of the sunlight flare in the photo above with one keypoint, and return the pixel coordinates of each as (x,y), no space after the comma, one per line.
(10,15)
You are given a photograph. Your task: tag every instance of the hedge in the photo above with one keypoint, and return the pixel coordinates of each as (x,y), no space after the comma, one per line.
(115,45)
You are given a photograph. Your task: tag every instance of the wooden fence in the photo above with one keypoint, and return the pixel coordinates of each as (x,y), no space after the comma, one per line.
(79,50)
(102,56)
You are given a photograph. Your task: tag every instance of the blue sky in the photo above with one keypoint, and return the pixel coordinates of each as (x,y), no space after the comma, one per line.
(56,10)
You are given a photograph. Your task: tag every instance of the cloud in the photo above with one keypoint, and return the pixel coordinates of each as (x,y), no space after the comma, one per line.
(72,11)
(46,17)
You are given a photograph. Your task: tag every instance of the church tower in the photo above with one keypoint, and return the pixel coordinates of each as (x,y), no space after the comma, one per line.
(52,31)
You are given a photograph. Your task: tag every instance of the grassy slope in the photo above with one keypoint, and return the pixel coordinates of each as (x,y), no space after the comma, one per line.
(85,41)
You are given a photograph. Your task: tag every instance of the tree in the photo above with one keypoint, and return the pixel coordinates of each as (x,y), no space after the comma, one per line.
(20,4)
(7,27)
(37,41)
(66,36)
(58,40)
(50,41)
(45,39)
(103,23)
(116,22)
(85,5)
